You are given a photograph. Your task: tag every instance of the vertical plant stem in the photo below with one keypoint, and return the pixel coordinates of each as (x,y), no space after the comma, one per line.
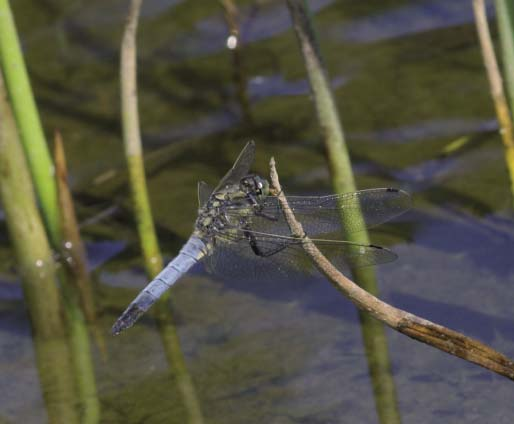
(82,360)
(379,363)
(27,119)
(41,168)
(339,160)
(496,86)
(175,357)
(505,18)
(73,249)
(132,139)
(146,229)
(78,296)
(343,181)
(37,271)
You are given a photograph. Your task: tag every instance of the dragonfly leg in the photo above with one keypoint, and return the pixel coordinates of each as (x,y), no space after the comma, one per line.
(257,250)
(266,215)
(258,208)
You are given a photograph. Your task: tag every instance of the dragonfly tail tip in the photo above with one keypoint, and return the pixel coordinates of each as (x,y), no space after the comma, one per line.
(127,319)
(118,327)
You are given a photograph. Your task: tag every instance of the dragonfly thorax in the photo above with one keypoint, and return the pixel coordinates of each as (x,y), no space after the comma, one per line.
(219,213)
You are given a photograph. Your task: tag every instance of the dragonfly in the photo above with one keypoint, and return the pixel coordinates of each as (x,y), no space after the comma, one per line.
(241,231)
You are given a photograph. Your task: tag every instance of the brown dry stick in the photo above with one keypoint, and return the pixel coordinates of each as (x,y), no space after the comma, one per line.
(435,335)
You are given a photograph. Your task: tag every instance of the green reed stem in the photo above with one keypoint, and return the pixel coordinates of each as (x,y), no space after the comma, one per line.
(42,170)
(505,19)
(178,366)
(503,114)
(82,359)
(27,119)
(343,181)
(143,213)
(37,271)
(132,140)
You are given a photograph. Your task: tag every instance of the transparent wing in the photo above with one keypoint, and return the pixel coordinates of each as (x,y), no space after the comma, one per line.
(323,214)
(204,192)
(280,255)
(240,168)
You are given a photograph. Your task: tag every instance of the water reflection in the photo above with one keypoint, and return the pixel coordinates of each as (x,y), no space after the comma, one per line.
(435,128)
(415,18)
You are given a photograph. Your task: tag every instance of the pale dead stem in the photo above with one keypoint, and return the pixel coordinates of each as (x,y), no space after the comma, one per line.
(503,113)
(436,335)
(142,210)
(128,78)
(132,142)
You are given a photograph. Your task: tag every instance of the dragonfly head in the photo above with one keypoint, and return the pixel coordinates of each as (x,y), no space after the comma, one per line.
(256,185)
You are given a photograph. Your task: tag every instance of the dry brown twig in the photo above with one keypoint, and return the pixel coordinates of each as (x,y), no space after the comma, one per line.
(420,329)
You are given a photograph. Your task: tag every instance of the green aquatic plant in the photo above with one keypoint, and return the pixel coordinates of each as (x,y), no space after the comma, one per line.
(77,295)
(343,181)
(505,19)
(132,143)
(55,209)
(37,270)
(503,114)
(143,213)
(28,122)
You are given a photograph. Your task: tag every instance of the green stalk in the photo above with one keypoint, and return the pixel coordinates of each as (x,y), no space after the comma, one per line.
(37,271)
(343,181)
(27,119)
(178,365)
(82,360)
(42,170)
(505,19)
(133,149)
(503,114)
(143,213)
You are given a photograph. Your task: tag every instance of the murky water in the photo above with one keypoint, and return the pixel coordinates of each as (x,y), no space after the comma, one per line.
(408,79)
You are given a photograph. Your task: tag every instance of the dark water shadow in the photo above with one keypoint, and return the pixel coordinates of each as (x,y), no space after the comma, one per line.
(481,325)
(488,242)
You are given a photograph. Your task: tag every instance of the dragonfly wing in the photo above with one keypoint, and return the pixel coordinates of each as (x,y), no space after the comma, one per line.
(342,213)
(346,255)
(204,192)
(235,259)
(240,168)
(234,255)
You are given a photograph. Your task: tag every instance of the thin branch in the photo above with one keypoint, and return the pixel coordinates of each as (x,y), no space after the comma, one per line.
(436,335)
